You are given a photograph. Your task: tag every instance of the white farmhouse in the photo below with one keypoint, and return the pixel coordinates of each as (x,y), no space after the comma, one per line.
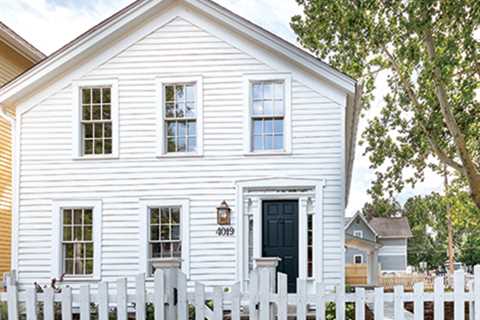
(128,138)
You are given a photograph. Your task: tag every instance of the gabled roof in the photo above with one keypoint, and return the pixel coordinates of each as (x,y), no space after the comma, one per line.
(67,57)
(384,228)
(391,227)
(19,44)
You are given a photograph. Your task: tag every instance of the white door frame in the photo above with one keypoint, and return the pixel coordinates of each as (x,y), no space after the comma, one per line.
(249,197)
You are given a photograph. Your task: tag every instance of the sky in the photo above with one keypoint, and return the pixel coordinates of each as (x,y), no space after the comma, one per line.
(49,24)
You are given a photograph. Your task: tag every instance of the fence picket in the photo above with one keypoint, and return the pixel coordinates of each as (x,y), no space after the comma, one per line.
(418,301)
(218,303)
(140,297)
(48,313)
(199,301)
(67,303)
(253,295)
(439,305)
(339,303)
(121,299)
(182,303)
(398,311)
(103,300)
(264,300)
(319,301)
(458,292)
(476,288)
(301,299)
(282,290)
(85,302)
(236,301)
(159,295)
(31,304)
(171,283)
(379,304)
(12,301)
(359,304)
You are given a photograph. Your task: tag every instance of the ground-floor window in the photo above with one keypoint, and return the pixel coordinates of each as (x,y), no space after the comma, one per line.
(358,259)
(164,233)
(310,245)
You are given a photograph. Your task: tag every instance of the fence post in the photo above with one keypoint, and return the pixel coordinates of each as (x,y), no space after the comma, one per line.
(170,266)
(459,295)
(418,301)
(399,311)
(12,295)
(269,264)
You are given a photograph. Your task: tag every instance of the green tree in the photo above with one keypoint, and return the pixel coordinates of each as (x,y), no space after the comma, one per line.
(429,52)
(382,208)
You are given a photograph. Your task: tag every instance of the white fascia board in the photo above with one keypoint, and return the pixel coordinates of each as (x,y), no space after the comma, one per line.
(276,43)
(45,71)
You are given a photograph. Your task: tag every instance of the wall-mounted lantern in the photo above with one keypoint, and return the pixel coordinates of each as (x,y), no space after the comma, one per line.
(223,214)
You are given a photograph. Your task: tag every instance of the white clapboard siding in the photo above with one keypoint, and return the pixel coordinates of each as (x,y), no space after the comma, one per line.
(180,47)
(263,300)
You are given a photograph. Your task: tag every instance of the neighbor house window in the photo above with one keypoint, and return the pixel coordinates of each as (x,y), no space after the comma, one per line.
(164,238)
(181,117)
(77,242)
(357,259)
(268,114)
(358,233)
(95,119)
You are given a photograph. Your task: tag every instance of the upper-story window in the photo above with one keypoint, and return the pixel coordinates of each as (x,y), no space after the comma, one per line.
(358,233)
(95,119)
(268,108)
(268,114)
(180,116)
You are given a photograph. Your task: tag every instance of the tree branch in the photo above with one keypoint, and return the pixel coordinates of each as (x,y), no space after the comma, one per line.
(440,154)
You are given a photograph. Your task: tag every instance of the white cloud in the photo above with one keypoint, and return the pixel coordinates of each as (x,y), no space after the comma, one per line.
(50,24)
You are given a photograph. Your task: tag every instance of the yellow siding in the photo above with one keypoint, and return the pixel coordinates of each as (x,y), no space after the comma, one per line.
(11,64)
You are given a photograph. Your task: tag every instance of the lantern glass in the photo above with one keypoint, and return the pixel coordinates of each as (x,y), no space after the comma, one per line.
(223,214)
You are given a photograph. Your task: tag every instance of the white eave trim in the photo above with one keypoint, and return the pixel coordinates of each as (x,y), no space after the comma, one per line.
(116,23)
(358,214)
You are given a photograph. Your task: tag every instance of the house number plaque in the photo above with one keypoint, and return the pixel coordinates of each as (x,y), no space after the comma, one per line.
(225,231)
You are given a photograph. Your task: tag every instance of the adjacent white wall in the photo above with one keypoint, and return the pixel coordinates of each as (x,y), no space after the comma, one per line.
(179,48)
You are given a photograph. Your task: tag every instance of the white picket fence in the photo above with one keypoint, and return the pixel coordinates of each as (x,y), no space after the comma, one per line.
(263,300)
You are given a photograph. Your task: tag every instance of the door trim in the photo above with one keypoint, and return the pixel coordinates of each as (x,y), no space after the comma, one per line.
(248,206)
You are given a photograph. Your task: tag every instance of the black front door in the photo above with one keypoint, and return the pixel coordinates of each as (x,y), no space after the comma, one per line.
(280,236)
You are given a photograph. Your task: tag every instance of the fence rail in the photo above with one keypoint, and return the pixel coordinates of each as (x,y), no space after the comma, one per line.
(264,299)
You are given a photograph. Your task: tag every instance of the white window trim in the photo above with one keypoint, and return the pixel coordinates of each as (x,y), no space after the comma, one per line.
(145,204)
(247,123)
(355,258)
(161,139)
(57,231)
(77,116)
(358,233)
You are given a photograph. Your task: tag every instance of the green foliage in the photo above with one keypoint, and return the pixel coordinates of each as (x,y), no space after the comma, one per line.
(411,131)
(381,208)
(330,310)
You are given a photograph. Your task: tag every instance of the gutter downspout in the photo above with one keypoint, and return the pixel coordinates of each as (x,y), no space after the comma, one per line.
(14,232)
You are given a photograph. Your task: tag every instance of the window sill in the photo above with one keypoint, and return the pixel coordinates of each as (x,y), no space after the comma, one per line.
(267,153)
(80,279)
(89,158)
(179,155)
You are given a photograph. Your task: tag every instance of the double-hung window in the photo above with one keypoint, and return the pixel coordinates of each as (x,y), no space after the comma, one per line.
(164,231)
(76,245)
(95,119)
(268,108)
(77,242)
(180,116)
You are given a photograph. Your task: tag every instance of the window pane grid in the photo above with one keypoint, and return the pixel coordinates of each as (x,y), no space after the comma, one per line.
(164,238)
(96,121)
(77,241)
(180,117)
(309,245)
(267,115)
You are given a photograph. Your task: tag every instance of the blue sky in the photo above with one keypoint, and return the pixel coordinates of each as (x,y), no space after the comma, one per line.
(49,24)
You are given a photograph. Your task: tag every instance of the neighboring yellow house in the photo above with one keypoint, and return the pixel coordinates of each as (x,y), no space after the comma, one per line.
(16,55)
